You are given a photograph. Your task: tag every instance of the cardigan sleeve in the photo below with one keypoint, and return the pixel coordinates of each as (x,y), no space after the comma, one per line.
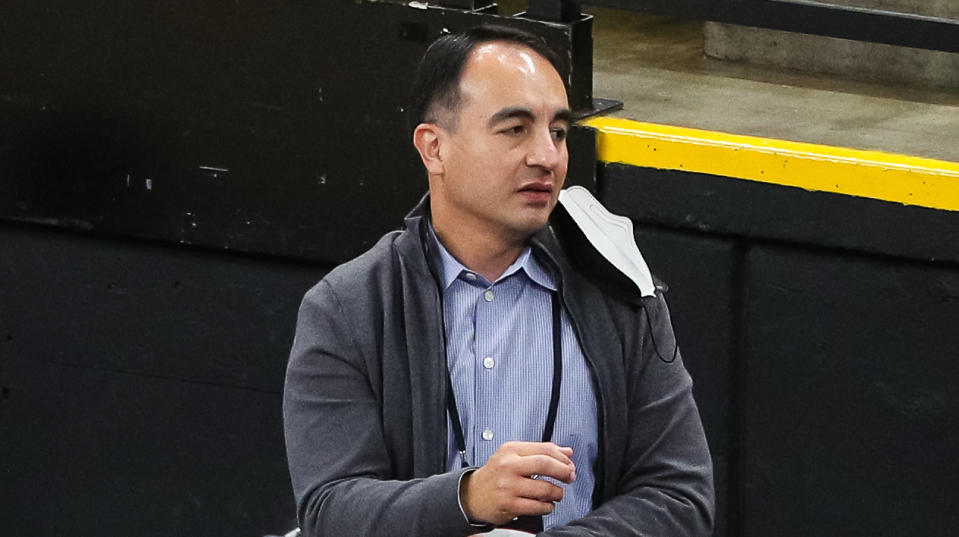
(665,486)
(339,464)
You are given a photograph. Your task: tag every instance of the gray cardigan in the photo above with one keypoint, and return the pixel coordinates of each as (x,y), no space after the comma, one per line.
(365,416)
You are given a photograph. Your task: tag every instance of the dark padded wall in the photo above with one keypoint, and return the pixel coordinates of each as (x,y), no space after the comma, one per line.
(268,127)
(824,371)
(701,276)
(849,396)
(141,387)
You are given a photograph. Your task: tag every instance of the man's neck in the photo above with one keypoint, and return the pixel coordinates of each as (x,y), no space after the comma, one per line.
(484,253)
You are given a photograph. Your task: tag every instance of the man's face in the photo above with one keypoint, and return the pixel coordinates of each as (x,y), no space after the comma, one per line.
(505,160)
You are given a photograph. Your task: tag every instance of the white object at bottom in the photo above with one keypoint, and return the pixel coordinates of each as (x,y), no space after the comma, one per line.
(501,532)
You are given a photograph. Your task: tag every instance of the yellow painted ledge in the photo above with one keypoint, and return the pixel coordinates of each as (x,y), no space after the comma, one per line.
(869,174)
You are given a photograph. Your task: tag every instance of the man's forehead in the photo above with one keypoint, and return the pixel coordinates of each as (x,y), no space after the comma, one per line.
(496,68)
(509,56)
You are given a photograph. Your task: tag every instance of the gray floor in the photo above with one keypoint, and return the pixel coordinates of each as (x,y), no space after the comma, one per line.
(657,67)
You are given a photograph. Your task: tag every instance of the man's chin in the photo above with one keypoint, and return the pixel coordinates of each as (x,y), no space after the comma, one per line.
(530,226)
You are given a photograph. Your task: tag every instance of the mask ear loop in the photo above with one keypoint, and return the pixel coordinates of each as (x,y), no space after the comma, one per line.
(649,323)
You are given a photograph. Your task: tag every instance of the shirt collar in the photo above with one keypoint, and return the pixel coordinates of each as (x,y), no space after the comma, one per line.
(451,268)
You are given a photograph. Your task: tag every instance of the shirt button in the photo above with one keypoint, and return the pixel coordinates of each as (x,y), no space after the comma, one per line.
(470,276)
(488,295)
(489,362)
(487,434)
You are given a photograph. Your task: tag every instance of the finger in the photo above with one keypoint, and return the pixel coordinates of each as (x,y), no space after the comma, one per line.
(543,491)
(527,506)
(541,448)
(545,466)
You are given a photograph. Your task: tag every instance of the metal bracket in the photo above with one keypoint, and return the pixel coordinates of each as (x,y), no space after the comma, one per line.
(576,46)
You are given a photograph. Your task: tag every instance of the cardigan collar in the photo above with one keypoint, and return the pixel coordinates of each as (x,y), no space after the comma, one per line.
(561,247)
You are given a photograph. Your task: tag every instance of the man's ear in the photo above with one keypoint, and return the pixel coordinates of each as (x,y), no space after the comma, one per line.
(427,139)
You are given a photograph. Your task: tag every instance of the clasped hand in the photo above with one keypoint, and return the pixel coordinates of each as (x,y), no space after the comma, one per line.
(508,485)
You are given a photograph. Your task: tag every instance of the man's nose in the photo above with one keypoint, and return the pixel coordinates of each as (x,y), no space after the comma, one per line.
(544,150)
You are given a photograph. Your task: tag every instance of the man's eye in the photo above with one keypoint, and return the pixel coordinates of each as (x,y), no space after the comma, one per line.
(559,133)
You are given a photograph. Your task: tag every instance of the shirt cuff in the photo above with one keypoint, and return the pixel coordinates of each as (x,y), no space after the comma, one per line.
(459,500)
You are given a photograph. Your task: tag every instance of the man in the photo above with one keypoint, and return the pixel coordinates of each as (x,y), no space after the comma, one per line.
(464,374)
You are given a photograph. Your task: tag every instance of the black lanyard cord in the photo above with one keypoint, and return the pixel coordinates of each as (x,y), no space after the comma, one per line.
(455,419)
(458,435)
(557,369)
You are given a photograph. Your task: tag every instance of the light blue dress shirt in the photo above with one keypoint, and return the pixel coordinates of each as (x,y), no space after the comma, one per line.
(500,355)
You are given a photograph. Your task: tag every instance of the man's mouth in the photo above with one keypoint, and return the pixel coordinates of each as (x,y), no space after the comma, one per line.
(537,187)
(537,193)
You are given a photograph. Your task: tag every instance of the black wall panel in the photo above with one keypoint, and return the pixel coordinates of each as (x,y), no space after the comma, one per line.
(838,365)
(220,124)
(148,309)
(95,452)
(850,404)
(267,127)
(702,277)
(757,211)
(141,387)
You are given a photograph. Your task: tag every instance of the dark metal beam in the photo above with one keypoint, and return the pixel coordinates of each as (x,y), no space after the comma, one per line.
(810,17)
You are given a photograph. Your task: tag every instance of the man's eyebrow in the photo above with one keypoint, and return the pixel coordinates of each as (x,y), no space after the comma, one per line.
(563,115)
(511,112)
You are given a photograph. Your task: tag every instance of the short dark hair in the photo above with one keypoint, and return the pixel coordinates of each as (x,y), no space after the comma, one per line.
(437,81)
